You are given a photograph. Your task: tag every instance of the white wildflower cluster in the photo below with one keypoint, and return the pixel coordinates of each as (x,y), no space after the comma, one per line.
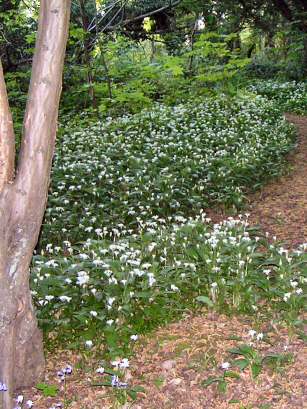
(127,277)
(123,251)
(136,172)
(290,96)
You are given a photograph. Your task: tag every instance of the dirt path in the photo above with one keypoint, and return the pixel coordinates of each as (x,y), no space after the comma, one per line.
(281,206)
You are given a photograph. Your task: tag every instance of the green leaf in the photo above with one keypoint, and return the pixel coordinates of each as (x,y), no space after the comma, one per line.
(222,386)
(231,374)
(205,300)
(47,390)
(241,363)
(256,369)
(132,394)
(138,389)
(244,350)
(210,381)
(134,391)
(302,336)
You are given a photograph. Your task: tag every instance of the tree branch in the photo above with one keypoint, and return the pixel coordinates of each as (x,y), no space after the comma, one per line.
(142,16)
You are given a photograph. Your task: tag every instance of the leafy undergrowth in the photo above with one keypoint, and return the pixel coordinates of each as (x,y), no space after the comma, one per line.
(126,246)
(105,292)
(114,177)
(289,96)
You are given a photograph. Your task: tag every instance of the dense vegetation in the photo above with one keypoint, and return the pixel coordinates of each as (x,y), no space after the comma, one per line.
(130,197)
(162,118)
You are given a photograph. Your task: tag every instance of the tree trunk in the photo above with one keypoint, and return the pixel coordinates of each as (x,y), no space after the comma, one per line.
(87,55)
(23,200)
(305,54)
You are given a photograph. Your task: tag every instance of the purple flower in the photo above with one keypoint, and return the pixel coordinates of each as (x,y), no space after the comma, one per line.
(116,383)
(65,371)
(68,370)
(61,375)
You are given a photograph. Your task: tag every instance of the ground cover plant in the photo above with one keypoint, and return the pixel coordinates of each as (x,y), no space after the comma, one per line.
(113,177)
(290,96)
(126,246)
(107,292)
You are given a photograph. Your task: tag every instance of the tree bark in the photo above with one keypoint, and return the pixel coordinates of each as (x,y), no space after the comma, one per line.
(7,136)
(23,200)
(87,56)
(305,54)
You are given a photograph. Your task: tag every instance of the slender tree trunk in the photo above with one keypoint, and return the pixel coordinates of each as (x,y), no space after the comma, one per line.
(106,70)
(23,200)
(153,49)
(87,56)
(305,54)
(191,59)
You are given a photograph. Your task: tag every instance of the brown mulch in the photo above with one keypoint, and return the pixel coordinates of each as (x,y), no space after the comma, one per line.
(281,206)
(172,362)
(175,362)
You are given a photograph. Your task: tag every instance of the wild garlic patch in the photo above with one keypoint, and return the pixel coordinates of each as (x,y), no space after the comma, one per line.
(138,172)
(138,282)
(290,96)
(126,245)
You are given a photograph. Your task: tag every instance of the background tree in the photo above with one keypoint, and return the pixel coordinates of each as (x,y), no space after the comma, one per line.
(23,199)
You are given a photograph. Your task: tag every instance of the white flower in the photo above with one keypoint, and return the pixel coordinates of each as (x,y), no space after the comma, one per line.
(225,365)
(83,278)
(89,343)
(259,336)
(252,333)
(110,301)
(49,297)
(94,313)
(151,279)
(19,399)
(151,246)
(64,298)
(287,296)
(29,403)
(134,337)
(124,363)
(100,370)
(115,363)
(299,291)
(110,322)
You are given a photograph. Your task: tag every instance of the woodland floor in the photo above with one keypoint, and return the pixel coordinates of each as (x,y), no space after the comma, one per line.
(171,363)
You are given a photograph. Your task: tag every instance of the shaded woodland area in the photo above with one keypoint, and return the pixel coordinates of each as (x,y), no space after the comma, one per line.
(148,153)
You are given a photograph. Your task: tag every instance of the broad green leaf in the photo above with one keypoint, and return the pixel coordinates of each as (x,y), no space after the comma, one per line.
(205,300)
(241,363)
(256,369)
